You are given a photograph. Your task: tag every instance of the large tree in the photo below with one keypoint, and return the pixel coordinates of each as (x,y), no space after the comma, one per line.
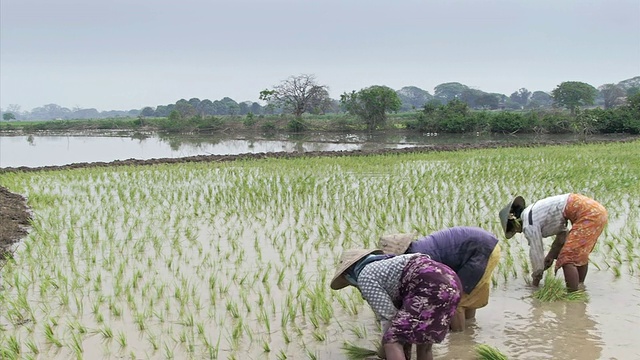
(521,97)
(372,104)
(611,93)
(321,103)
(449,91)
(539,99)
(8,116)
(297,94)
(147,111)
(573,94)
(413,97)
(205,107)
(185,109)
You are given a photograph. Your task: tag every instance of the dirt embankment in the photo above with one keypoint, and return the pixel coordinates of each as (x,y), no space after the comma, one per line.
(14,220)
(15,215)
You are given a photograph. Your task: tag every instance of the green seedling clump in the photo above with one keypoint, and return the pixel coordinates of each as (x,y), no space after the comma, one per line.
(488,352)
(355,352)
(554,289)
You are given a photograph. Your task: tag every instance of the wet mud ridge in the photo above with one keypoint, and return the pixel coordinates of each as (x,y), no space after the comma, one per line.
(15,215)
(14,220)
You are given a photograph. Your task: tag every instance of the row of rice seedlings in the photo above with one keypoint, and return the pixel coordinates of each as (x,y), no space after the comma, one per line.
(287,218)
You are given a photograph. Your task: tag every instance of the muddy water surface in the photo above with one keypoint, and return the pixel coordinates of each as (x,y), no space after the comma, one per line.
(524,328)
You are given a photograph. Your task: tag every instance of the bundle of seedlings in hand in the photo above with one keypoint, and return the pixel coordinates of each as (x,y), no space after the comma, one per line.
(355,352)
(554,289)
(488,352)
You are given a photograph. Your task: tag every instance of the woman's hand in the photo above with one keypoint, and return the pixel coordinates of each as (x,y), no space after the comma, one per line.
(537,276)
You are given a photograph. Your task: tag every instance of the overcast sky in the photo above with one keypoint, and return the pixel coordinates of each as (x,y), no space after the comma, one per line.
(127,54)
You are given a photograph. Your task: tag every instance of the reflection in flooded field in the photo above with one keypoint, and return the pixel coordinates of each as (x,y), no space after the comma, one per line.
(233,260)
(55,149)
(527,329)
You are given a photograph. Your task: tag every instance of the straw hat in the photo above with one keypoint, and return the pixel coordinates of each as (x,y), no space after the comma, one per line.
(517,205)
(396,244)
(348,258)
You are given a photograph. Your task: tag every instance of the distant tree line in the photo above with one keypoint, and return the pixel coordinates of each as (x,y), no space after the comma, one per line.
(302,94)
(457,117)
(57,112)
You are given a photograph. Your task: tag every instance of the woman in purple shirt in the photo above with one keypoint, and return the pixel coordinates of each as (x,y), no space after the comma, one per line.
(413,297)
(473,253)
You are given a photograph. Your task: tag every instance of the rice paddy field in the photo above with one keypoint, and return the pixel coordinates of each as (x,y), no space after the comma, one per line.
(233,260)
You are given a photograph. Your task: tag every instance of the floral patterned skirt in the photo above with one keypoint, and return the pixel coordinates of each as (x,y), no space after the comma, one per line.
(429,295)
(588,219)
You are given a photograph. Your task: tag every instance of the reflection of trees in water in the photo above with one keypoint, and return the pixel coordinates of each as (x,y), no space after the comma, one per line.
(177,141)
(140,136)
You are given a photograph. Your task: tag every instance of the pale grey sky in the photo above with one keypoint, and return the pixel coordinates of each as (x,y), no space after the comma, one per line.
(121,55)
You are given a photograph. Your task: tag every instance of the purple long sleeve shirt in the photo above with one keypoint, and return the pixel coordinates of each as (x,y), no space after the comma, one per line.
(464,249)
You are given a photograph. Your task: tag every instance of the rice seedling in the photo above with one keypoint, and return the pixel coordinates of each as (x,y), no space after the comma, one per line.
(13,345)
(355,352)
(554,289)
(76,346)
(153,341)
(281,355)
(6,353)
(106,332)
(488,352)
(122,339)
(312,355)
(265,346)
(168,352)
(32,346)
(50,335)
(319,336)
(360,331)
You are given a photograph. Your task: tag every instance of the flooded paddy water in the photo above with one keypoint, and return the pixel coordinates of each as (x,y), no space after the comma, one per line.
(50,148)
(232,260)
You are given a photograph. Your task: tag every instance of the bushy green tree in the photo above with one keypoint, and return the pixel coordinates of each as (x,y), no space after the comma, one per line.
(539,99)
(573,94)
(371,104)
(147,111)
(449,91)
(453,117)
(521,97)
(8,116)
(174,116)
(413,97)
(632,109)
